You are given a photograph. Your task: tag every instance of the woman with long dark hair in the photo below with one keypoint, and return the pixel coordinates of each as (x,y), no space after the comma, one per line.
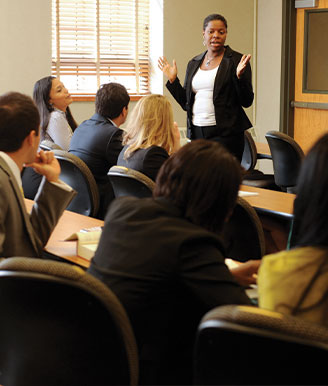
(296,281)
(53,100)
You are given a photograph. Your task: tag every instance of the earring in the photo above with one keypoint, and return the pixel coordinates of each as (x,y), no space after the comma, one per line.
(204,44)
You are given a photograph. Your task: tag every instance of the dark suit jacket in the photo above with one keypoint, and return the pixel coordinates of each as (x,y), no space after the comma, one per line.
(23,234)
(98,143)
(230,94)
(147,161)
(168,273)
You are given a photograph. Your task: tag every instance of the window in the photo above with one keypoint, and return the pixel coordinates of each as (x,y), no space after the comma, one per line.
(98,41)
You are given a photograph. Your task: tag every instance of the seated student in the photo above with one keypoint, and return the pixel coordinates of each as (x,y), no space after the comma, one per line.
(295,281)
(150,136)
(23,234)
(164,260)
(98,140)
(52,100)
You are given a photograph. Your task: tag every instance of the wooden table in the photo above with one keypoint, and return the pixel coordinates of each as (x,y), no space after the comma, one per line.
(68,224)
(267,203)
(271,202)
(275,210)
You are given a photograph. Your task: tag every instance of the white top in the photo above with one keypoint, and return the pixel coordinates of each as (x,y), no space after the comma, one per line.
(203,108)
(58,130)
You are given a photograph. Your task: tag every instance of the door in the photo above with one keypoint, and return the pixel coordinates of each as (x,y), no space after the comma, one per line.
(311,74)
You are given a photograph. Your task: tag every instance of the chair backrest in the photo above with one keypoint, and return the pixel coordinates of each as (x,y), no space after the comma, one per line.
(46,144)
(76,173)
(287,157)
(244,345)
(129,182)
(61,326)
(243,234)
(30,179)
(249,158)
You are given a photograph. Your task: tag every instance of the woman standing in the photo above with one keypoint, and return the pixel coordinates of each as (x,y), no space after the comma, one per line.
(52,100)
(218,84)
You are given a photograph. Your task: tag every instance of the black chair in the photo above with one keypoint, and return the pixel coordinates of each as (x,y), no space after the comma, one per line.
(254,177)
(129,182)
(61,326)
(244,345)
(77,174)
(243,234)
(287,158)
(30,179)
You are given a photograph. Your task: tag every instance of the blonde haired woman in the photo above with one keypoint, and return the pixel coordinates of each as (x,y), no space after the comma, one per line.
(150,137)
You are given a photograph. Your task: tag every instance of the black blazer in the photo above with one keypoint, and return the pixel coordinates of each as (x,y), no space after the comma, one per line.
(230,94)
(98,143)
(167,272)
(147,161)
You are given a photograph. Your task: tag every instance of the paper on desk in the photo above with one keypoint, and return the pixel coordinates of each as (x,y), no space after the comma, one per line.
(87,242)
(242,193)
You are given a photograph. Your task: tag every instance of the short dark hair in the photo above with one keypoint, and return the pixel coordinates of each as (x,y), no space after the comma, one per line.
(18,117)
(202,179)
(214,16)
(311,204)
(111,98)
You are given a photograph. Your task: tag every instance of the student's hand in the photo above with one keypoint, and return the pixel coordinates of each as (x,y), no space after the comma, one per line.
(169,71)
(176,138)
(245,273)
(47,165)
(242,65)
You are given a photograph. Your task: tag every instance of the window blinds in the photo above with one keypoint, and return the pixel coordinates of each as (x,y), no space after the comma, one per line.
(100,41)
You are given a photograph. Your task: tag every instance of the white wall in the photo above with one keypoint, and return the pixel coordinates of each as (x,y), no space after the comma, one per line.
(267,95)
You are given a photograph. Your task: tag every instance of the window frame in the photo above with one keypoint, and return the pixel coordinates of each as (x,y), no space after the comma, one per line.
(97,63)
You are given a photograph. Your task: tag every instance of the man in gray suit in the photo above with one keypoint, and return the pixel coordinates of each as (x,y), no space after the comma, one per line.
(23,234)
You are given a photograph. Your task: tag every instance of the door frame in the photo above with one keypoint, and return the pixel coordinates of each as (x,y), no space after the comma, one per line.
(288,55)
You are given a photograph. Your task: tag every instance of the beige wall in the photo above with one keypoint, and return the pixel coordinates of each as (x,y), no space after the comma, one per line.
(183,24)
(25,41)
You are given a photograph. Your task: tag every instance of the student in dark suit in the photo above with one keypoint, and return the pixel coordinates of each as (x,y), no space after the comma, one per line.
(150,136)
(218,84)
(23,234)
(163,258)
(98,140)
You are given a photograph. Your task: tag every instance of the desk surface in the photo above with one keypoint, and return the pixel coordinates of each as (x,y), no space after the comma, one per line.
(68,224)
(267,202)
(270,201)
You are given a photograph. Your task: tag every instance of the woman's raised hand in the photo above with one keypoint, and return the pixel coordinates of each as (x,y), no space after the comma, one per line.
(169,71)
(242,65)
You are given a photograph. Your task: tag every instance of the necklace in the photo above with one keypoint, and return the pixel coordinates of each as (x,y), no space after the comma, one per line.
(208,61)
